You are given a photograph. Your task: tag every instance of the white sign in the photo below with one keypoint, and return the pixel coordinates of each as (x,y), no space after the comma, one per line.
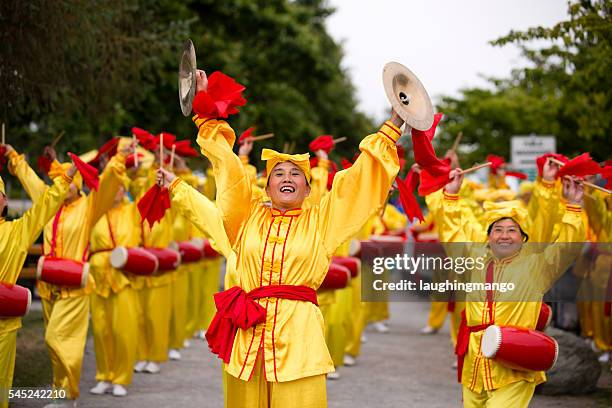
(525,149)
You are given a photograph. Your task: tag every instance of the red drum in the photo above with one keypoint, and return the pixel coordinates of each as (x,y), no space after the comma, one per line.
(168,259)
(337,277)
(189,252)
(137,261)
(519,348)
(15,300)
(207,249)
(544,317)
(351,263)
(62,272)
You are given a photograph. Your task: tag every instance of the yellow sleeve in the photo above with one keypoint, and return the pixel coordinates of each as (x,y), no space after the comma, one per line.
(216,138)
(542,210)
(22,232)
(201,212)
(30,181)
(450,228)
(99,202)
(361,190)
(318,182)
(597,211)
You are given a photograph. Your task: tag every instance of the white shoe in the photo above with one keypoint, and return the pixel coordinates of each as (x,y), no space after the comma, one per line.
(364,338)
(62,404)
(152,368)
(333,376)
(101,388)
(202,334)
(605,357)
(428,330)
(186,344)
(380,327)
(119,390)
(174,354)
(454,365)
(349,360)
(140,366)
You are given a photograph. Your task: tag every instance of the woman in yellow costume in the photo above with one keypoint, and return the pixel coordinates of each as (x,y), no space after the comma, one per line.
(16,237)
(277,357)
(487,383)
(114,302)
(66,309)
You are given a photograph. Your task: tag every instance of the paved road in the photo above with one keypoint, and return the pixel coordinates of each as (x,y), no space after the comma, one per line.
(398,369)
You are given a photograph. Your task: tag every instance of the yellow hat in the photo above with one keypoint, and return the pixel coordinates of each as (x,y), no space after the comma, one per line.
(62,168)
(506,209)
(502,194)
(2,190)
(272,158)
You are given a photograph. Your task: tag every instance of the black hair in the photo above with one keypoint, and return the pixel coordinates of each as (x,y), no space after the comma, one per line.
(5,212)
(523,233)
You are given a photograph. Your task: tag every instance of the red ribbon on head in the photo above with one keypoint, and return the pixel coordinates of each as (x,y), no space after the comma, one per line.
(153,205)
(145,139)
(580,166)
(238,309)
(324,142)
(434,172)
(183,148)
(221,99)
(88,172)
(540,161)
(409,203)
(109,148)
(246,134)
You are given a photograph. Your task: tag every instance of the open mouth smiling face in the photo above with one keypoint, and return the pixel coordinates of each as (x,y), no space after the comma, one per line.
(287,186)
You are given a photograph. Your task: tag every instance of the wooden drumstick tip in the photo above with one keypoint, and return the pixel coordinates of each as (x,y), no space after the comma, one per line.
(478,167)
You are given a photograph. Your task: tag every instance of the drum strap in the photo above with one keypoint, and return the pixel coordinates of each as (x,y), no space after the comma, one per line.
(52,252)
(110,231)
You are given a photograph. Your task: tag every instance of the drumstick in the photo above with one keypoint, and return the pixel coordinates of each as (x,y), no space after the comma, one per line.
(3,137)
(135,143)
(457,141)
(478,167)
(58,138)
(340,139)
(261,137)
(161,150)
(586,183)
(172,157)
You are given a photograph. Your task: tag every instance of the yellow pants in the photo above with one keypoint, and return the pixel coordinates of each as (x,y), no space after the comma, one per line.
(115,332)
(66,322)
(377,311)
(602,327)
(515,395)
(335,330)
(154,323)
(195,298)
(178,317)
(437,314)
(358,316)
(309,392)
(585,317)
(210,285)
(8,347)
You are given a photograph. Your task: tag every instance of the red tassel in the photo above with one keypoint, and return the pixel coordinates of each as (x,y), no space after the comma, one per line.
(324,142)
(407,198)
(580,166)
(496,162)
(540,161)
(246,134)
(88,172)
(223,97)
(153,205)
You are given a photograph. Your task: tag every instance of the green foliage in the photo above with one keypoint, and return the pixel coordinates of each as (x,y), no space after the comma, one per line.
(565,91)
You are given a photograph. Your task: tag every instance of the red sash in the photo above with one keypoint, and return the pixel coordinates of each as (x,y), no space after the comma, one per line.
(238,309)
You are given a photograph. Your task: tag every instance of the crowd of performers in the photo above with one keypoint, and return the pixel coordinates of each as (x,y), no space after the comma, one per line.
(291,312)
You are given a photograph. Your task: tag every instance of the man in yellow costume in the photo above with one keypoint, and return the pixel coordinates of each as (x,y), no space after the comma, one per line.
(16,237)
(487,383)
(66,309)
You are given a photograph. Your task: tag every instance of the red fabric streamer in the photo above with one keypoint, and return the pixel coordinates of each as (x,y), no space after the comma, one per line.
(517,174)
(169,140)
(434,172)
(345,163)
(246,134)
(223,97)
(109,148)
(238,309)
(2,157)
(131,162)
(580,166)
(88,172)
(496,162)
(44,164)
(540,161)
(183,148)
(606,173)
(324,142)
(145,139)
(314,162)
(406,189)
(153,205)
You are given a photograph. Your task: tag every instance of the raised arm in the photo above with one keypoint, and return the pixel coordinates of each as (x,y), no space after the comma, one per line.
(19,167)
(362,189)
(99,202)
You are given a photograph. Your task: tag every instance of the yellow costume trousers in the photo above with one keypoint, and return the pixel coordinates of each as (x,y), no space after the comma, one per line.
(308,392)
(66,322)
(154,323)
(195,297)
(210,286)
(8,347)
(335,330)
(602,327)
(378,311)
(115,331)
(178,318)
(585,316)
(358,316)
(437,314)
(515,395)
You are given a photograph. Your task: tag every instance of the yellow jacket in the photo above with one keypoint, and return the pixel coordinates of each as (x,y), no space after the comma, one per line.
(76,220)
(292,247)
(533,274)
(17,236)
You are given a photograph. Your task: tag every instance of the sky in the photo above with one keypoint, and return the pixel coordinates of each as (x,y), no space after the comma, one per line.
(444,42)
